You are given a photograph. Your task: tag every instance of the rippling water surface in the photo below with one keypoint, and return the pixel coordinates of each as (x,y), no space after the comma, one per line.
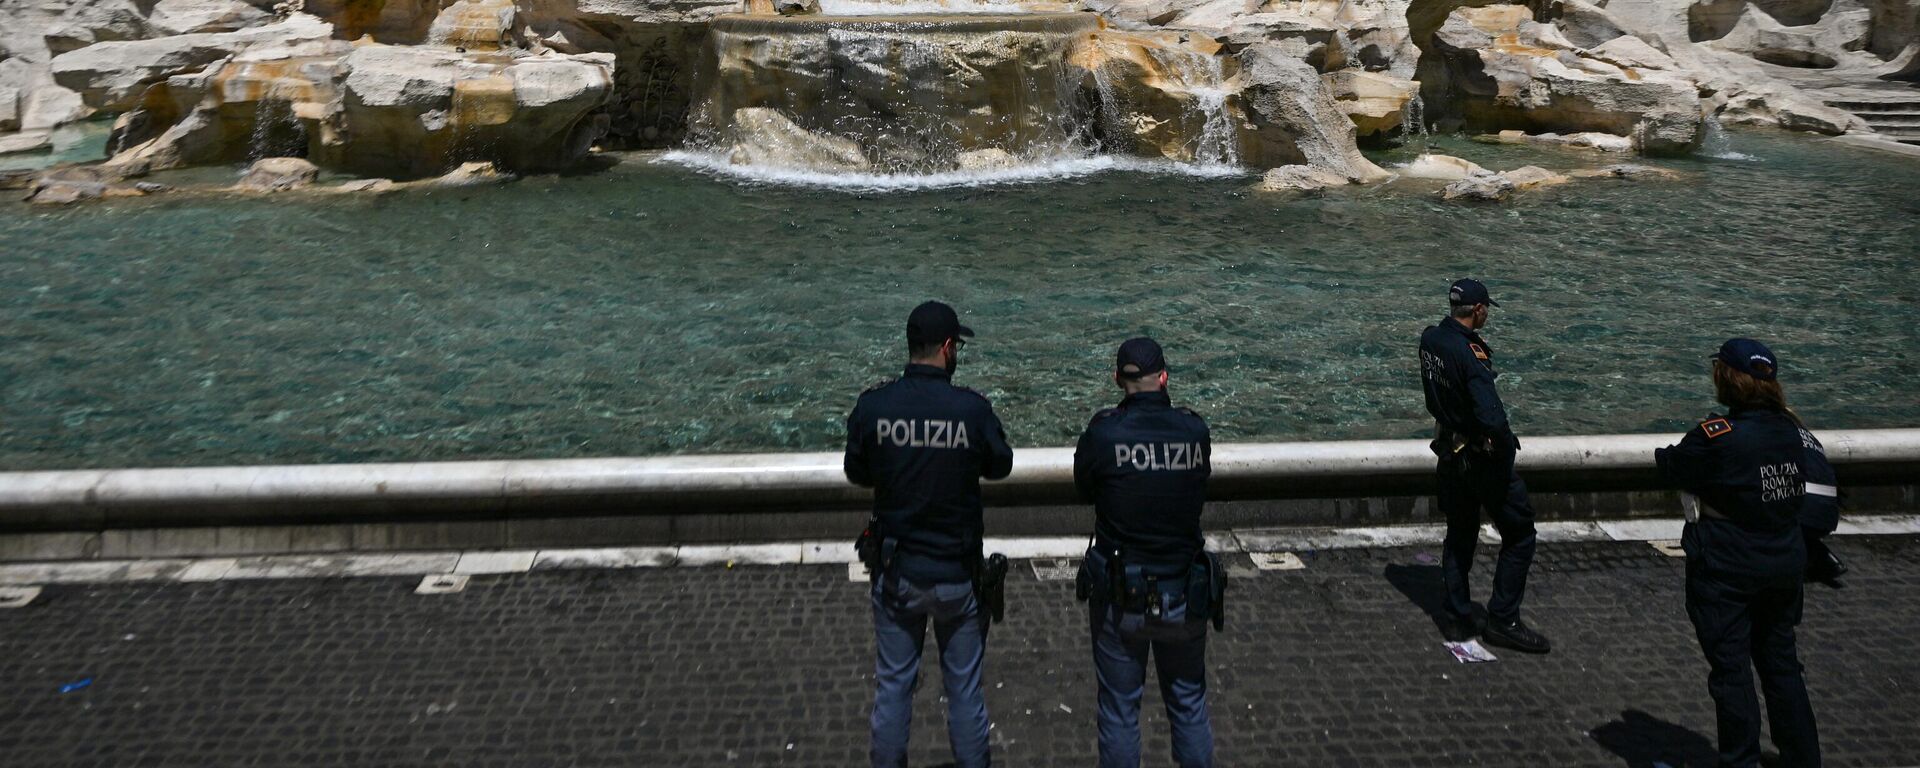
(654,309)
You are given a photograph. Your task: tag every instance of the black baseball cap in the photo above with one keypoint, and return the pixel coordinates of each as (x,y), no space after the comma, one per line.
(1139,356)
(1467,292)
(933,323)
(1749,357)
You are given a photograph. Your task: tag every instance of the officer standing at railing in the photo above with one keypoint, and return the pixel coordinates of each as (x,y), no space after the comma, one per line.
(923,444)
(1150,584)
(1757,478)
(1477,447)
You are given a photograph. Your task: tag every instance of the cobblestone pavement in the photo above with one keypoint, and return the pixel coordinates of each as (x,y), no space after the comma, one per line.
(1337,664)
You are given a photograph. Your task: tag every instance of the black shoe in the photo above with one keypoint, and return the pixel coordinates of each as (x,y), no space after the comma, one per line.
(1455,628)
(1517,636)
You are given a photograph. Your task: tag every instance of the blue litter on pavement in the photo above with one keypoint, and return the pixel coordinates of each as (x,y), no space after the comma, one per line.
(71,687)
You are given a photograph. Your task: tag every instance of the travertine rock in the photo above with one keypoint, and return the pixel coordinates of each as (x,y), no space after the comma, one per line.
(766,137)
(1161,94)
(1376,102)
(1300,178)
(1534,177)
(1480,187)
(1503,70)
(278,174)
(179,17)
(1291,117)
(113,76)
(1441,167)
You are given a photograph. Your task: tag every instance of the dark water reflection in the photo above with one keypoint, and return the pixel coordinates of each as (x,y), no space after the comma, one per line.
(649,309)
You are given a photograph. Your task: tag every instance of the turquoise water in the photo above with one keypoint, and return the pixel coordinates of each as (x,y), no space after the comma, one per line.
(653,309)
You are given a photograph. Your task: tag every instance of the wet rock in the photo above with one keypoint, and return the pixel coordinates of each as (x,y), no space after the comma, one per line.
(1482,187)
(1375,102)
(474,25)
(468,175)
(278,174)
(151,187)
(1441,168)
(14,76)
(20,178)
(1291,117)
(766,137)
(1605,142)
(1162,93)
(1744,92)
(1534,177)
(989,159)
(1626,171)
(25,141)
(1502,70)
(59,192)
(1582,23)
(366,186)
(1300,178)
(796,7)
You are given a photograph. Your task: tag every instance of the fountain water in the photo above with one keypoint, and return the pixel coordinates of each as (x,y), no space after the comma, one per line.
(975,91)
(1715,144)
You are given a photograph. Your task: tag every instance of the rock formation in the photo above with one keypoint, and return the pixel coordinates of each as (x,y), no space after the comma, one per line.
(1291,117)
(1504,70)
(290,87)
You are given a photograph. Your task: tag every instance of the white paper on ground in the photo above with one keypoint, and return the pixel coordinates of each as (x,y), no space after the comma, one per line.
(1470,652)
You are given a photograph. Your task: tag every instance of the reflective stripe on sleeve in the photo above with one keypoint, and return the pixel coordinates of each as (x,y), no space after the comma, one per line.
(1816,489)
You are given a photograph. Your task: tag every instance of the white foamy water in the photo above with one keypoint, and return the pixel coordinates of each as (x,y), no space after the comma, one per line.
(1715,144)
(884,8)
(1054,169)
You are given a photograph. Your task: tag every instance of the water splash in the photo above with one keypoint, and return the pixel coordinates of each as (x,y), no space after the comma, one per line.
(1715,143)
(1413,122)
(1058,169)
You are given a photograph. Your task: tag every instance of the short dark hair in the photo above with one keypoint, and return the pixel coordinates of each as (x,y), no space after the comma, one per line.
(925,350)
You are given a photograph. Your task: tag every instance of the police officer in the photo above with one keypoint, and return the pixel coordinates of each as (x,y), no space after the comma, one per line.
(1476,447)
(1151,587)
(923,444)
(1746,554)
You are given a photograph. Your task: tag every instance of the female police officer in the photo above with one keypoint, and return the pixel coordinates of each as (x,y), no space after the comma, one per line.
(1746,554)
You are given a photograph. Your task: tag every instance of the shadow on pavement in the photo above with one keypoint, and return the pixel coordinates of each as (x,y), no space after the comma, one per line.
(1422,586)
(1645,741)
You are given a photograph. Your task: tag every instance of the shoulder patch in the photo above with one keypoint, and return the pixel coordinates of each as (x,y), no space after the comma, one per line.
(1716,427)
(1105,413)
(1479,352)
(878,385)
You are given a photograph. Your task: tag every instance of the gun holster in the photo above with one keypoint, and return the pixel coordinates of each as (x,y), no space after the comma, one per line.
(990,586)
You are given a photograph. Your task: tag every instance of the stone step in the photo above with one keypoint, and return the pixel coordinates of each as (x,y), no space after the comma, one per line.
(1896,130)
(1865,107)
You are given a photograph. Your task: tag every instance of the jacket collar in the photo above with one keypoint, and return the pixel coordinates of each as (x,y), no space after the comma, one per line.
(928,372)
(1156,399)
(1452,323)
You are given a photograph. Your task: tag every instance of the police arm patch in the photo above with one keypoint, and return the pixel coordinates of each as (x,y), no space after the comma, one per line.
(1479,352)
(1715,427)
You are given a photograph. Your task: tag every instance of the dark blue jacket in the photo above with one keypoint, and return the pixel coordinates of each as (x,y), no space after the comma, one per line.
(1821,513)
(1456,370)
(1144,466)
(1749,469)
(923,444)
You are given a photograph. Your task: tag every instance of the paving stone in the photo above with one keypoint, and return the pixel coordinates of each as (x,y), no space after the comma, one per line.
(1336,664)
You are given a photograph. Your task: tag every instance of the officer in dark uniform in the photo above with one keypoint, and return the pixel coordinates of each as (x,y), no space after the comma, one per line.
(923,444)
(1746,554)
(1476,447)
(1151,586)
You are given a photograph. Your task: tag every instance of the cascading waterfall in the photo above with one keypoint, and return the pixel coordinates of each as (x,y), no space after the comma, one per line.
(952,96)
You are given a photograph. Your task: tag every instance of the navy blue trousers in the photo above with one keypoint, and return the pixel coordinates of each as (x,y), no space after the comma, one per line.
(1121,644)
(901,610)
(1744,628)
(1470,485)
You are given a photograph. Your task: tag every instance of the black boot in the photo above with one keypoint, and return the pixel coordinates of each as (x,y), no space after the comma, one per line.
(1516,635)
